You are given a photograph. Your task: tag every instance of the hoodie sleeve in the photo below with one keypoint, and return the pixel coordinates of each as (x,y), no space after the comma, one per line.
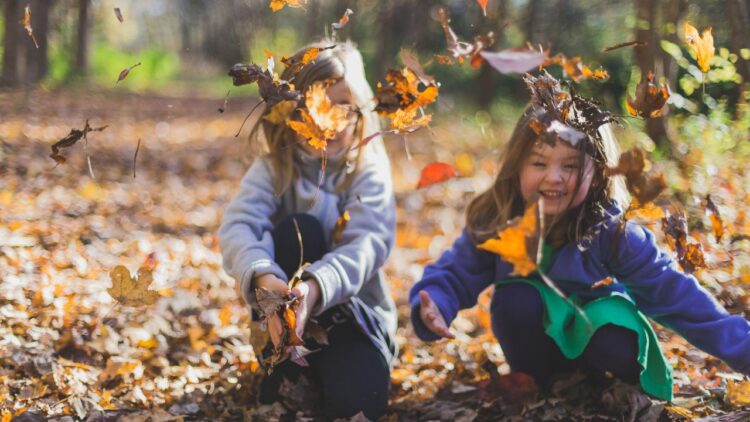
(366,240)
(676,300)
(245,232)
(454,282)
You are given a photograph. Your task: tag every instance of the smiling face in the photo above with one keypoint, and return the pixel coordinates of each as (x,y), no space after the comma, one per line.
(339,94)
(551,172)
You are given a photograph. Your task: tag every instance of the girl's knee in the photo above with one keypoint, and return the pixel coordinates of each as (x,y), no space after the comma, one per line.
(518,305)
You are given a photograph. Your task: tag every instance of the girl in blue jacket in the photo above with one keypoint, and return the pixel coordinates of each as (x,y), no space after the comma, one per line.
(286,192)
(587,240)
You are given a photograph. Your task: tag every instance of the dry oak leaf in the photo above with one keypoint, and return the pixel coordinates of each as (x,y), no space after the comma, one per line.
(461,49)
(125,72)
(689,255)
(436,173)
(277,5)
(131,292)
(702,45)
(402,92)
(517,244)
(322,120)
(649,98)
(70,139)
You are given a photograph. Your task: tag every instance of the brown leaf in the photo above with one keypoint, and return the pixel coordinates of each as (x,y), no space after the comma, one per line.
(436,173)
(124,74)
(631,165)
(70,139)
(118,14)
(717,225)
(649,98)
(689,255)
(129,291)
(26,22)
(343,21)
(462,50)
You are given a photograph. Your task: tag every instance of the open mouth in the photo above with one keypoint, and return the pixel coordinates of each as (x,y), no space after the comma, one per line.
(551,194)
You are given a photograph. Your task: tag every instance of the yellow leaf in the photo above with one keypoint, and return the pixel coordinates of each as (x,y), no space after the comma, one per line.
(281,112)
(225,315)
(310,55)
(738,393)
(277,5)
(131,292)
(405,119)
(702,45)
(322,120)
(512,242)
(338,230)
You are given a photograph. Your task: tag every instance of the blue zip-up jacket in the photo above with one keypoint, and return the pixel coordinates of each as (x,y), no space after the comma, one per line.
(641,271)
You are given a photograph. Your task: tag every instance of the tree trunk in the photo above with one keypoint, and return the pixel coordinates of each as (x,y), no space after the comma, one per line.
(672,13)
(82,40)
(737,15)
(37,64)
(645,56)
(11,14)
(531,19)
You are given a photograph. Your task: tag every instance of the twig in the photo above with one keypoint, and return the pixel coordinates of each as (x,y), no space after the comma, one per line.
(135,156)
(248,116)
(301,245)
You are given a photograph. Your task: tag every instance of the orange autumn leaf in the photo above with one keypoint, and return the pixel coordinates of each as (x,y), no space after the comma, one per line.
(483,5)
(307,128)
(341,222)
(575,69)
(649,98)
(129,291)
(322,120)
(291,322)
(512,243)
(406,121)
(606,282)
(717,225)
(343,21)
(26,22)
(435,173)
(277,5)
(463,50)
(281,112)
(702,45)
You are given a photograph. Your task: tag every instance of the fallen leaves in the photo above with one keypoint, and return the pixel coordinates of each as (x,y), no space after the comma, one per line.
(518,243)
(702,45)
(129,291)
(649,98)
(434,173)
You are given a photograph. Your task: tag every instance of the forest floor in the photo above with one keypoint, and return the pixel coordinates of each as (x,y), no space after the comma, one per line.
(68,351)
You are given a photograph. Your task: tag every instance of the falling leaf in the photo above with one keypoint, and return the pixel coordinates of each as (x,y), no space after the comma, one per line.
(435,173)
(403,92)
(443,59)
(70,139)
(277,5)
(129,291)
(413,64)
(632,165)
(575,69)
(26,22)
(341,222)
(635,43)
(406,121)
(483,5)
(272,91)
(343,21)
(518,243)
(461,49)
(118,14)
(649,98)
(717,225)
(606,282)
(322,120)
(649,212)
(281,112)
(514,60)
(689,255)
(295,63)
(226,100)
(702,45)
(125,72)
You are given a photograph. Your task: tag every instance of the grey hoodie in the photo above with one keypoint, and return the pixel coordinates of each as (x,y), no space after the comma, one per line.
(350,273)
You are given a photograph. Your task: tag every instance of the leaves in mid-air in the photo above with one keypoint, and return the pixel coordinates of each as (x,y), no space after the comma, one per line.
(518,243)
(462,50)
(70,139)
(130,291)
(277,5)
(26,22)
(632,164)
(272,90)
(342,21)
(717,225)
(515,60)
(483,5)
(118,15)
(321,120)
(338,230)
(649,98)
(575,69)
(125,72)
(436,173)
(689,255)
(298,61)
(702,45)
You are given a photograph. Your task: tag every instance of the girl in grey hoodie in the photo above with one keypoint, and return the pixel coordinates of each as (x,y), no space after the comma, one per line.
(284,193)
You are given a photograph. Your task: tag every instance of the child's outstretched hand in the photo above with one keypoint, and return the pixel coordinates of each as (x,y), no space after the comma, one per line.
(432,317)
(309,291)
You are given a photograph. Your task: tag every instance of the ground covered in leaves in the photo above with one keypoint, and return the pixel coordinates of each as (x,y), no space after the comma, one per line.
(68,351)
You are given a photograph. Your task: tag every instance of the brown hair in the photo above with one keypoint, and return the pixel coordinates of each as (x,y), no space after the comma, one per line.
(492,209)
(277,141)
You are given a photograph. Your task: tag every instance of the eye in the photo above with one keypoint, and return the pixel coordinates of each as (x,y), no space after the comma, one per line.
(537,164)
(571,166)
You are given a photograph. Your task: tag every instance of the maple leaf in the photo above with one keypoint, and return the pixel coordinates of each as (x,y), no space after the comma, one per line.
(281,112)
(125,72)
(405,121)
(322,120)
(277,5)
(118,14)
(435,173)
(575,69)
(343,21)
(518,243)
(632,164)
(341,222)
(717,225)
(298,61)
(689,255)
(649,98)
(402,92)
(514,60)
(131,292)
(461,49)
(702,45)
(26,22)
(70,139)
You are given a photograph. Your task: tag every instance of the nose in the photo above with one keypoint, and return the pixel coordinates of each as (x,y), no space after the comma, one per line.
(554,174)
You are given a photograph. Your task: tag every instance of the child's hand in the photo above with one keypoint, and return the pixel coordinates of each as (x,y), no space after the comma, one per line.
(309,291)
(272,283)
(432,317)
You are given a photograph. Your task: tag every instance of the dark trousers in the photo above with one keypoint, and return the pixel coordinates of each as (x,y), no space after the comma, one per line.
(350,372)
(517,321)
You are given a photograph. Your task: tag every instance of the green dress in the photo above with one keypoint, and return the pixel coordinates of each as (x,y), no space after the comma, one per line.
(572,331)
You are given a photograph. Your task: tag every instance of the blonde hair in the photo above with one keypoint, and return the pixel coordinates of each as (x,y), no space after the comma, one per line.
(501,202)
(277,141)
